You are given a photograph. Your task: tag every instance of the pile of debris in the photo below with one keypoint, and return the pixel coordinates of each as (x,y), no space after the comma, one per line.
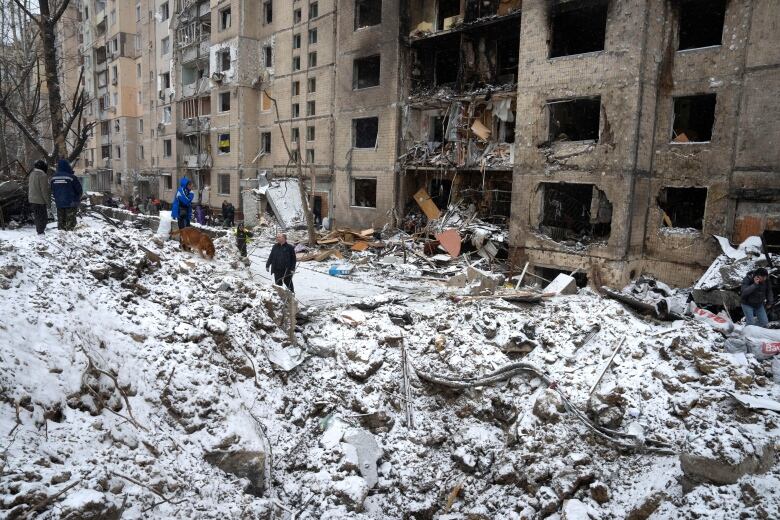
(440,244)
(713,298)
(651,297)
(469,140)
(150,390)
(720,284)
(486,154)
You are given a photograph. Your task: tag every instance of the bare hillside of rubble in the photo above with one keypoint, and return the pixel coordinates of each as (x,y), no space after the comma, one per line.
(132,389)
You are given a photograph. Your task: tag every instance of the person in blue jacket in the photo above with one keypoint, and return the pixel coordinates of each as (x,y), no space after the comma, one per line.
(67,192)
(181,209)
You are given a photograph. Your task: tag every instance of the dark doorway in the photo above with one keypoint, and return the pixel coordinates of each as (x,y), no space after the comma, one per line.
(440,192)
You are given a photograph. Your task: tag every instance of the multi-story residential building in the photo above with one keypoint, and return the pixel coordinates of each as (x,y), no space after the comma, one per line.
(646,128)
(611,138)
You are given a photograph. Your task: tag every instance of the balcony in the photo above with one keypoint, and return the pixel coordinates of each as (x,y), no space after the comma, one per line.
(192,125)
(198,87)
(197,161)
(199,51)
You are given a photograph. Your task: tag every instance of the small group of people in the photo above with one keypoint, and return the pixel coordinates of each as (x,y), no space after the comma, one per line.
(64,186)
(281,261)
(183,206)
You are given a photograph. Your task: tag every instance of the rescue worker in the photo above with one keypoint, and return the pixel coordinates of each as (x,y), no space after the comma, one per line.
(242,237)
(67,192)
(181,208)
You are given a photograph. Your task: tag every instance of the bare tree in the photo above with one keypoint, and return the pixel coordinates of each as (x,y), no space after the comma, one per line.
(301,186)
(24,79)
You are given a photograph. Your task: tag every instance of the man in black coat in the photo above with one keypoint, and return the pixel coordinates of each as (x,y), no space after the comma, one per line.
(281,262)
(756,292)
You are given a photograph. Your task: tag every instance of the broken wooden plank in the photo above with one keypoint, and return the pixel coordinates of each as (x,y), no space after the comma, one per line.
(423,199)
(360,246)
(481,130)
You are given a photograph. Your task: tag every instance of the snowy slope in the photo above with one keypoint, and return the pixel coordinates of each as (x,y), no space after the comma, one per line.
(90,325)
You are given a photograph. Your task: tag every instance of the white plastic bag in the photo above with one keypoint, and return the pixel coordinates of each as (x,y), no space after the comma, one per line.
(763,343)
(164,229)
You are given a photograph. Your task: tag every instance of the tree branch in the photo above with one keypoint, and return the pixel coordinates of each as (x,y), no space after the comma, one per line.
(60,11)
(30,15)
(29,134)
(80,142)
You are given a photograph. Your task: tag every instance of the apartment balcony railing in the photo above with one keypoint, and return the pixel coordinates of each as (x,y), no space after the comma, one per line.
(198,160)
(191,125)
(196,52)
(198,87)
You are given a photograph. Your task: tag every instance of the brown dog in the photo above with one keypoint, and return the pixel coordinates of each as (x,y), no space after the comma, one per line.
(194,240)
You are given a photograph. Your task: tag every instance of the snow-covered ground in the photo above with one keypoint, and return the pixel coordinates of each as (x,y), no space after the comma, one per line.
(313,287)
(132,390)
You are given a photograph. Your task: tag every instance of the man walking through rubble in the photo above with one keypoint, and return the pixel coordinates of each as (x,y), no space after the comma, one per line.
(756,292)
(281,262)
(67,195)
(39,195)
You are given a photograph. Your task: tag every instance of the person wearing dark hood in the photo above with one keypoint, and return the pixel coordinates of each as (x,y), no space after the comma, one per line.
(756,292)
(228,213)
(181,208)
(39,195)
(281,262)
(67,195)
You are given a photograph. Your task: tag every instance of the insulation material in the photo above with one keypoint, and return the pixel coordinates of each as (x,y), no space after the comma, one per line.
(503,110)
(421,29)
(452,21)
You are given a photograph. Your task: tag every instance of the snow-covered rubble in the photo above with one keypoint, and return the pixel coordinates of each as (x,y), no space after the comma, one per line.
(134,390)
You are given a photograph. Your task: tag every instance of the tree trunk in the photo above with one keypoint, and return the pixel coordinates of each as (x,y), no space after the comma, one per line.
(305,201)
(49,48)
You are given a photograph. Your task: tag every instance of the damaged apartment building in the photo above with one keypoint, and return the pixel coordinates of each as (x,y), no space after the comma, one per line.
(458,125)
(648,128)
(610,138)
(615,138)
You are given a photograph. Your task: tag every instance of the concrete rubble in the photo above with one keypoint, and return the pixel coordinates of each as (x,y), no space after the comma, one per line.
(221,426)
